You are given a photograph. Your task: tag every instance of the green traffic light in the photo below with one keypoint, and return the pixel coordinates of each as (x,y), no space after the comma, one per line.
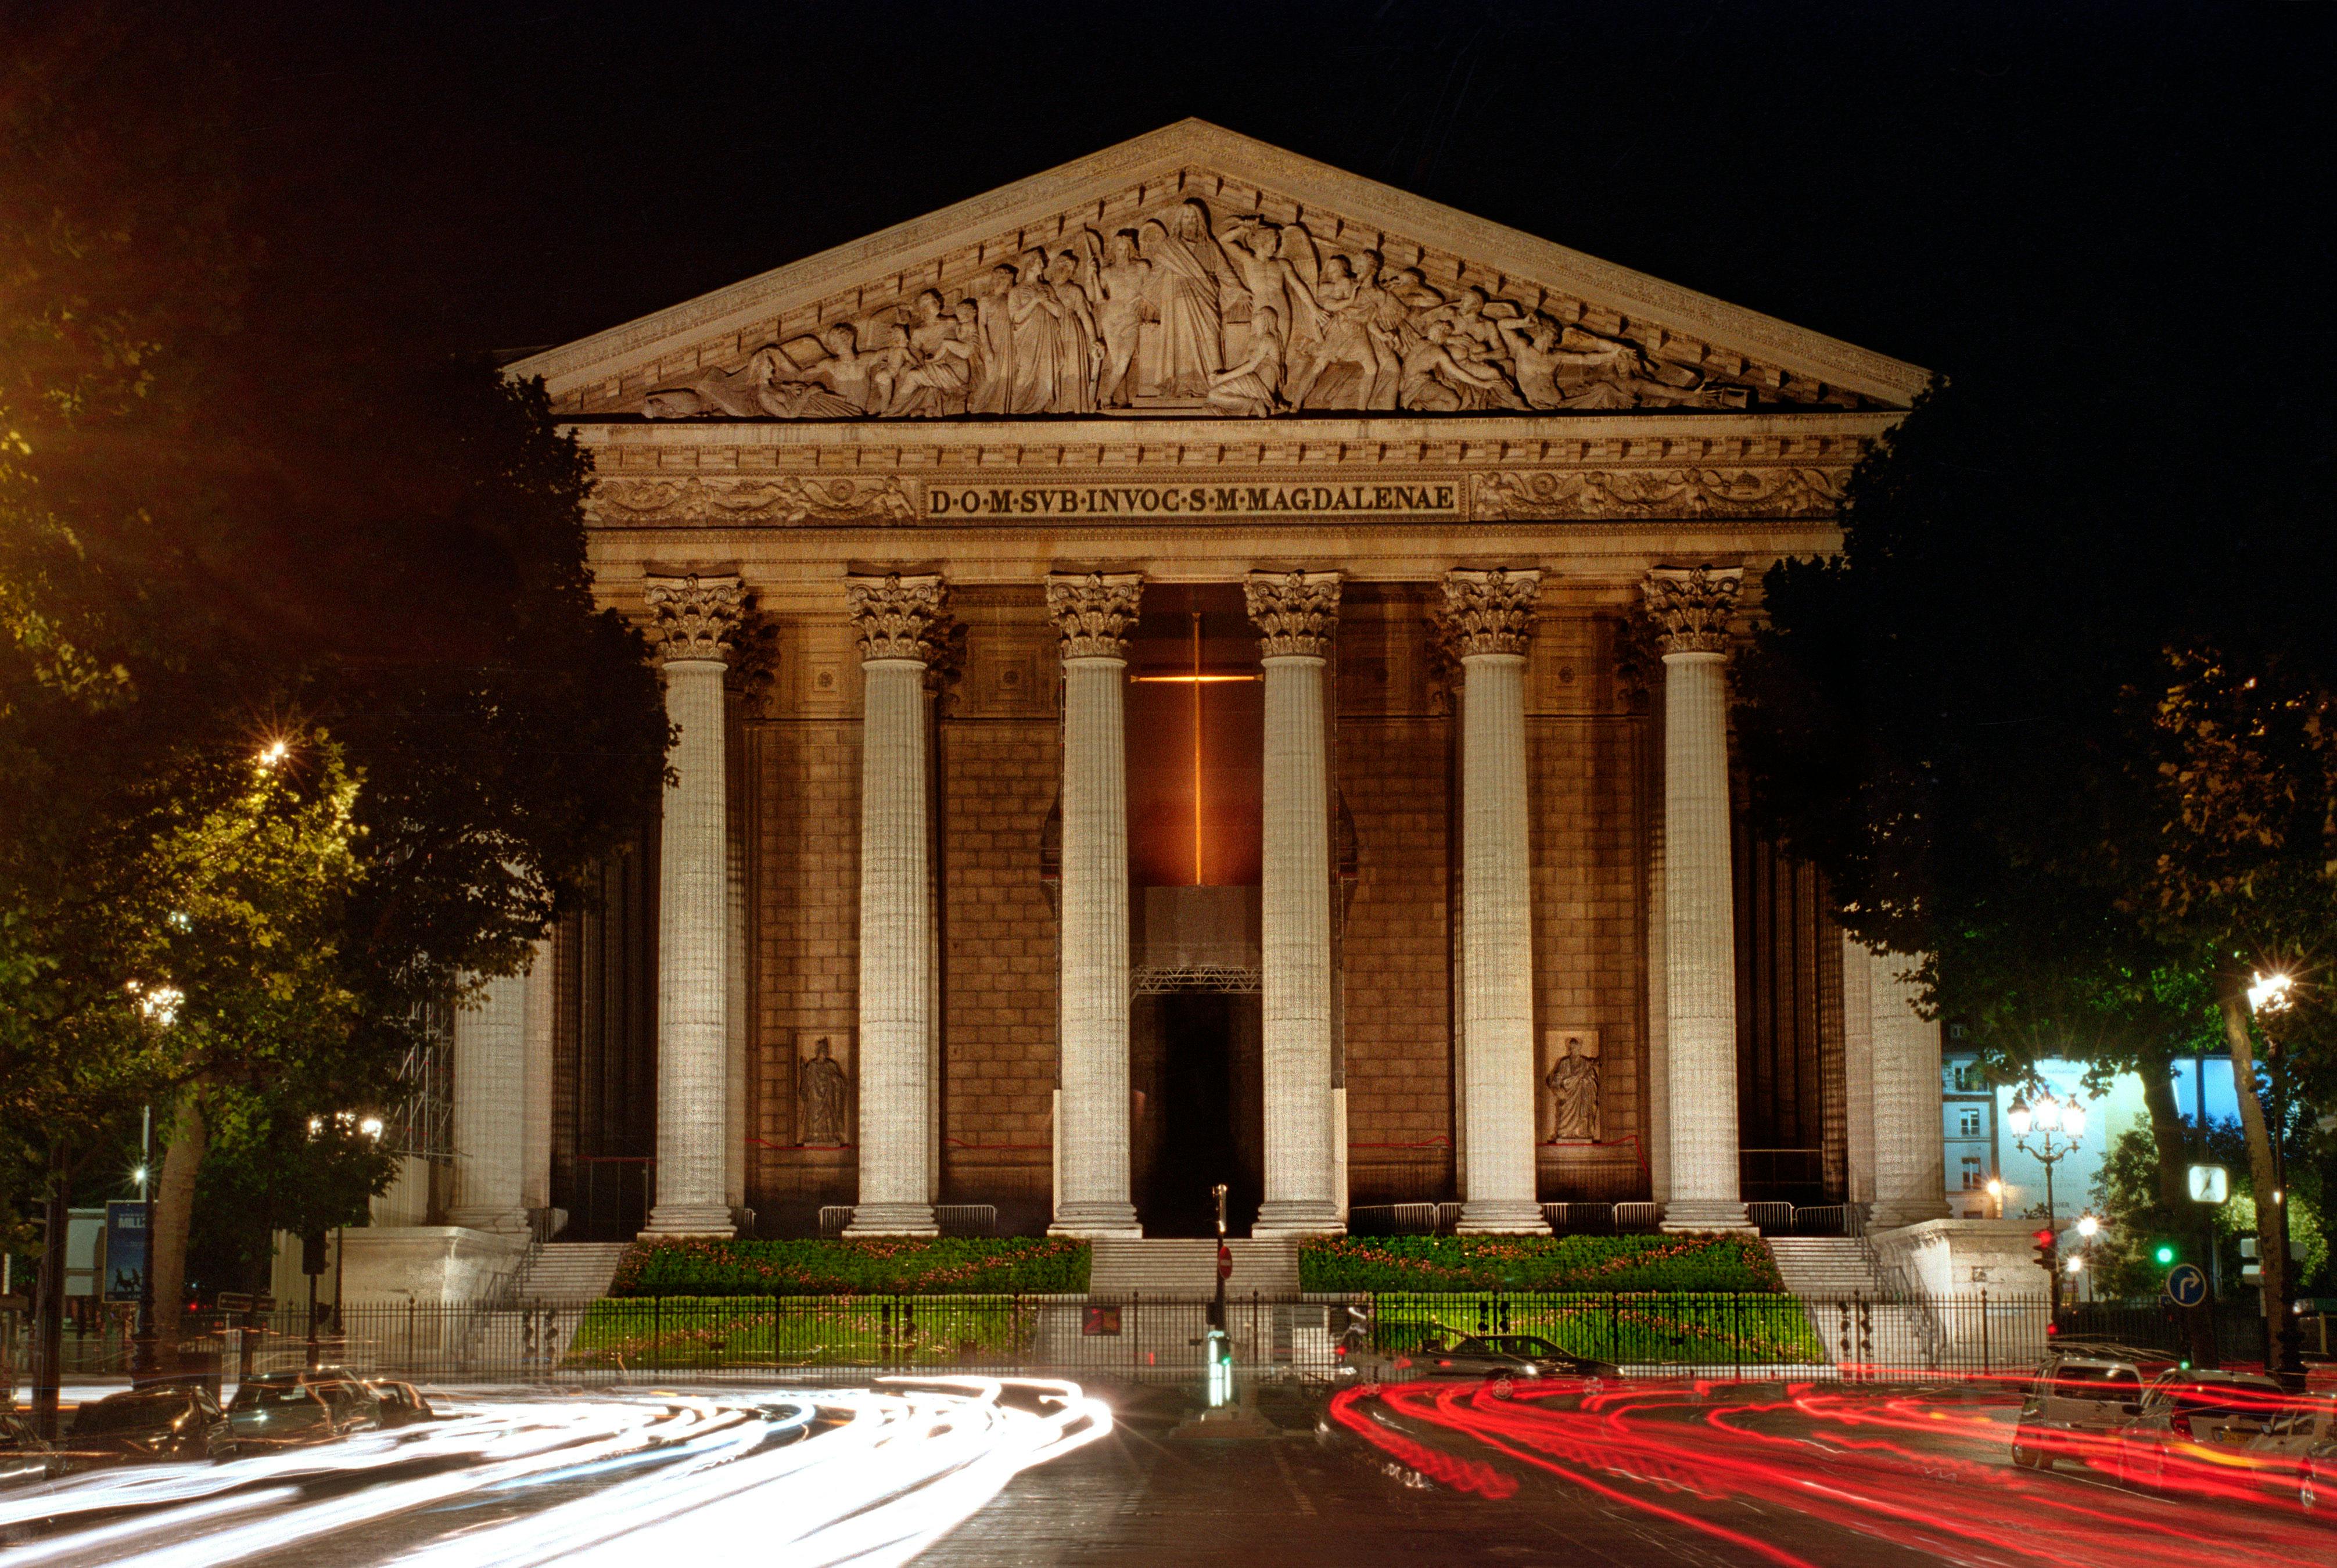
(2165,1254)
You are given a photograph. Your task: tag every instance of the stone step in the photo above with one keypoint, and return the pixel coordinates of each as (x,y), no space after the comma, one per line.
(1186,1266)
(569,1271)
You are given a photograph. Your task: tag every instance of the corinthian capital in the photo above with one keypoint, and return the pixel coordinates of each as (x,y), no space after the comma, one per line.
(1489,612)
(898,617)
(692,617)
(1093,610)
(1690,606)
(1294,612)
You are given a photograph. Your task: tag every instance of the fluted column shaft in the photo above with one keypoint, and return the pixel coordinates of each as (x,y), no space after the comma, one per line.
(1691,610)
(536,1176)
(1490,616)
(490,1109)
(896,617)
(1909,1162)
(1296,614)
(1093,612)
(693,618)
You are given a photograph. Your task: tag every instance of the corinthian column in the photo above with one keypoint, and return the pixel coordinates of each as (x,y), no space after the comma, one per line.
(897,619)
(490,1109)
(1487,617)
(691,619)
(1296,615)
(1690,610)
(1094,613)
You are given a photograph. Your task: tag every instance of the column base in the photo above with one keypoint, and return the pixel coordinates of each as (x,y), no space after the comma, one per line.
(1299,1217)
(1706,1214)
(1089,1221)
(688,1219)
(1502,1217)
(893,1219)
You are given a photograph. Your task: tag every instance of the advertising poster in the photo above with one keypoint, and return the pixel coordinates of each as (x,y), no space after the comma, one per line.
(126,1249)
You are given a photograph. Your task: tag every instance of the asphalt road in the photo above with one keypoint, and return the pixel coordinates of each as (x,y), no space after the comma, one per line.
(1421,1474)
(986,1473)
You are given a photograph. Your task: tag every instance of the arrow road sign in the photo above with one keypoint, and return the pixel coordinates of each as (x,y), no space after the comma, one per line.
(2186,1285)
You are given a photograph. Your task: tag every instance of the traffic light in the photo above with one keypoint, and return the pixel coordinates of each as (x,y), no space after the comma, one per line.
(2164,1254)
(2048,1252)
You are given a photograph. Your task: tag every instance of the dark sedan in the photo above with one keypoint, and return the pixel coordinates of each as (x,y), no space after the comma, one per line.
(176,1421)
(22,1455)
(292,1409)
(1503,1360)
(400,1404)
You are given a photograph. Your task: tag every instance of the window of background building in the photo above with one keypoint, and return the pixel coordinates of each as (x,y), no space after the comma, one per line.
(1974,1179)
(1968,1121)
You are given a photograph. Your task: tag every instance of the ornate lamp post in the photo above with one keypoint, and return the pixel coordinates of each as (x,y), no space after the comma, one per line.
(2057,1129)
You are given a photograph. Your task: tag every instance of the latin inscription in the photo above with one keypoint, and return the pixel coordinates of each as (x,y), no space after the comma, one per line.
(1142,501)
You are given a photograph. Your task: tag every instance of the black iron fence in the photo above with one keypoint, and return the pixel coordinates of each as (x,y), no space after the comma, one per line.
(795,1338)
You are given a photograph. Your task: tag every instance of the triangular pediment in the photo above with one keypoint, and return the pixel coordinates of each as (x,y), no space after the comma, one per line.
(1197,272)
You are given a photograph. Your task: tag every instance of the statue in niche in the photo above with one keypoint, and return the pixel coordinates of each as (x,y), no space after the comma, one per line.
(1248,388)
(822,1095)
(1186,286)
(1115,280)
(1573,1080)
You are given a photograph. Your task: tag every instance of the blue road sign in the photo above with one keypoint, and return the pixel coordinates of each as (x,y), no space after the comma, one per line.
(2186,1285)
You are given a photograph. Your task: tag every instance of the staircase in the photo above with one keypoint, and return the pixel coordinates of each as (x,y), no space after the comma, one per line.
(567,1273)
(1835,1278)
(1822,1267)
(1159,1266)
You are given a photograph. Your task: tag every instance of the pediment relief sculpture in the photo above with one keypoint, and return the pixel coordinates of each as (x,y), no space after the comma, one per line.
(1193,310)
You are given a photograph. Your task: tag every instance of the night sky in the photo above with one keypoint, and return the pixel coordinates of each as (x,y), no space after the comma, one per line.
(1965,187)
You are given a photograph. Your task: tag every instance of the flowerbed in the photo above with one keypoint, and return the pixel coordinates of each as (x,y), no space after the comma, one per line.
(947,1266)
(1544,1263)
(1648,1328)
(734,1331)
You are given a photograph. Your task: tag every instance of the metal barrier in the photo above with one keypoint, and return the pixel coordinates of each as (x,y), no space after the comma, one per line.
(952,1218)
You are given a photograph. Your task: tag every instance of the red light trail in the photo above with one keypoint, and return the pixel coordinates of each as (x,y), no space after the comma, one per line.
(1923,1473)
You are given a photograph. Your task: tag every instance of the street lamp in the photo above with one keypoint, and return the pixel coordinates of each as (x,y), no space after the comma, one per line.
(2269,994)
(2057,1129)
(1995,1194)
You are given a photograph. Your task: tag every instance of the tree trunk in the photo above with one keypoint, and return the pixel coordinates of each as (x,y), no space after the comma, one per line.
(2272,1258)
(174,1211)
(2173,1143)
(49,1303)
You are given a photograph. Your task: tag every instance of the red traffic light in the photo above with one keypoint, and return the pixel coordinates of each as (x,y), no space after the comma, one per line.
(2043,1238)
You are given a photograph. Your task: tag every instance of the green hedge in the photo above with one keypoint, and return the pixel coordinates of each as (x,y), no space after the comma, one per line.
(949,1266)
(1631,1330)
(1587,1263)
(717,1332)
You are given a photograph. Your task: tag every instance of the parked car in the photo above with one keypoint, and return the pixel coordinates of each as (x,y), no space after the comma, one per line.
(400,1404)
(2316,1478)
(23,1456)
(1493,1356)
(168,1421)
(2083,1394)
(292,1409)
(2196,1421)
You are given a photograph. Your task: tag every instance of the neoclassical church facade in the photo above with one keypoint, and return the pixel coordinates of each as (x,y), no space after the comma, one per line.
(1193,667)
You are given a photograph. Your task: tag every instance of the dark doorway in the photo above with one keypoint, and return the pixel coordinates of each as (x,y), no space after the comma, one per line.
(1200,1119)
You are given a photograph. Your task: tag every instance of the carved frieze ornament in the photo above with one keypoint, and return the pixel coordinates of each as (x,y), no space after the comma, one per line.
(1489,612)
(898,617)
(792,500)
(1771,492)
(692,617)
(1295,612)
(1690,606)
(1207,310)
(1093,610)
